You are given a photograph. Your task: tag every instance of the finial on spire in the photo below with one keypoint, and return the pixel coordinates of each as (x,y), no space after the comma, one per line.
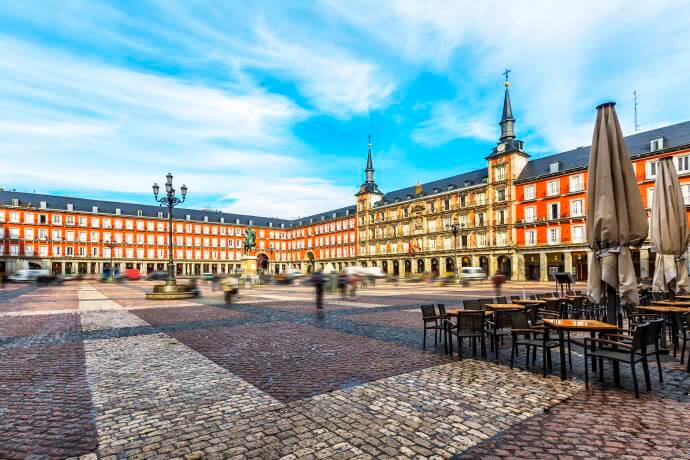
(507,71)
(369,140)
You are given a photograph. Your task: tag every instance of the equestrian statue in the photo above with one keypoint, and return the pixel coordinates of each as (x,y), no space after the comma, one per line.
(249,240)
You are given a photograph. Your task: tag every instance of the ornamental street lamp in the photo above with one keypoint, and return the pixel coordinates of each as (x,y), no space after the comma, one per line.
(454,228)
(170,200)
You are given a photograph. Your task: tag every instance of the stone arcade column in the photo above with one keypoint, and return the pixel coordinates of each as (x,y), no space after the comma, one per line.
(543,267)
(493,265)
(568,262)
(518,263)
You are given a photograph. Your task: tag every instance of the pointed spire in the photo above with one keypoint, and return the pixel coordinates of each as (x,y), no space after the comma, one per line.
(369,186)
(507,120)
(507,109)
(369,170)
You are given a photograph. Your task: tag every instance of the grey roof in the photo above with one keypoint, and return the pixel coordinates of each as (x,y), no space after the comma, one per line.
(474,177)
(674,136)
(132,209)
(324,216)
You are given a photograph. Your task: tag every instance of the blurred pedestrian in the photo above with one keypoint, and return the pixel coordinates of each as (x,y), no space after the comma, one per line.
(354,280)
(215,282)
(498,280)
(342,284)
(193,286)
(3,278)
(230,287)
(317,280)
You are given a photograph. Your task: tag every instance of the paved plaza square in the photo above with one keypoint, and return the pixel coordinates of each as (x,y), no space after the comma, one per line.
(96,370)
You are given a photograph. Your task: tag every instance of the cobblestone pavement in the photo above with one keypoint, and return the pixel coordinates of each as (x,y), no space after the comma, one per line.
(96,370)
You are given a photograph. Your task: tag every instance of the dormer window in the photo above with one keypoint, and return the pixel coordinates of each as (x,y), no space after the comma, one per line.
(237,221)
(484,179)
(94,209)
(270,224)
(15,202)
(222,220)
(555,167)
(656,144)
(468,183)
(451,186)
(118,211)
(140,212)
(70,207)
(43,205)
(251,222)
(205,218)
(311,221)
(334,215)
(188,217)
(160,214)
(282,225)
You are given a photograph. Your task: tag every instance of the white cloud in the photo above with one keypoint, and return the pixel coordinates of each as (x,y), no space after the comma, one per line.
(74,124)
(448,122)
(566,57)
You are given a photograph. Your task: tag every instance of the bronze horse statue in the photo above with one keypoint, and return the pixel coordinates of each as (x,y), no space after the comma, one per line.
(249,240)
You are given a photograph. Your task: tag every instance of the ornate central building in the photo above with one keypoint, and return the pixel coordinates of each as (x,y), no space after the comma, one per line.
(409,231)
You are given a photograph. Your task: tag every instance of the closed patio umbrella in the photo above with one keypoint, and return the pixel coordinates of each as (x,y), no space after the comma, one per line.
(616,218)
(669,230)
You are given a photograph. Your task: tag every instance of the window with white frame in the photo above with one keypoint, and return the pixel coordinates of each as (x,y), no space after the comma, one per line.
(577,208)
(500,173)
(501,238)
(553,188)
(529,192)
(650,169)
(554,235)
(554,210)
(578,233)
(530,237)
(656,144)
(530,214)
(683,164)
(29,250)
(577,183)
(29,218)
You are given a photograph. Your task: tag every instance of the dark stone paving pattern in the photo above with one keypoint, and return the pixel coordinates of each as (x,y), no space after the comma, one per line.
(38,325)
(162,316)
(45,404)
(293,361)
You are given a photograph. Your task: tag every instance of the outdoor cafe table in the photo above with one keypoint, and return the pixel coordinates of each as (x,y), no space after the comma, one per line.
(503,306)
(529,302)
(666,311)
(672,303)
(576,325)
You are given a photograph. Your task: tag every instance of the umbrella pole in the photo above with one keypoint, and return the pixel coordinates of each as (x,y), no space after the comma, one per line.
(611,306)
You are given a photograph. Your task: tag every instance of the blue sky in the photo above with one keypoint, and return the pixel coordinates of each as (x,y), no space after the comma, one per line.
(264,107)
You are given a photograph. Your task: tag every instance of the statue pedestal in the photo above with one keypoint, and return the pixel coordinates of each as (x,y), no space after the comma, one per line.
(248,265)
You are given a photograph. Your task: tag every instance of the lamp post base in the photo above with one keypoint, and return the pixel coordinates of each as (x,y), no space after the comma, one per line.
(170,291)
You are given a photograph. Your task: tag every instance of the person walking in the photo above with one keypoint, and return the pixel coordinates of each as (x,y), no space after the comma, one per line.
(498,280)
(354,280)
(317,280)
(342,284)
(3,278)
(230,287)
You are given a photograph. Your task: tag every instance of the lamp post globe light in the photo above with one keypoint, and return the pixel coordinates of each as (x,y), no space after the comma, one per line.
(170,290)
